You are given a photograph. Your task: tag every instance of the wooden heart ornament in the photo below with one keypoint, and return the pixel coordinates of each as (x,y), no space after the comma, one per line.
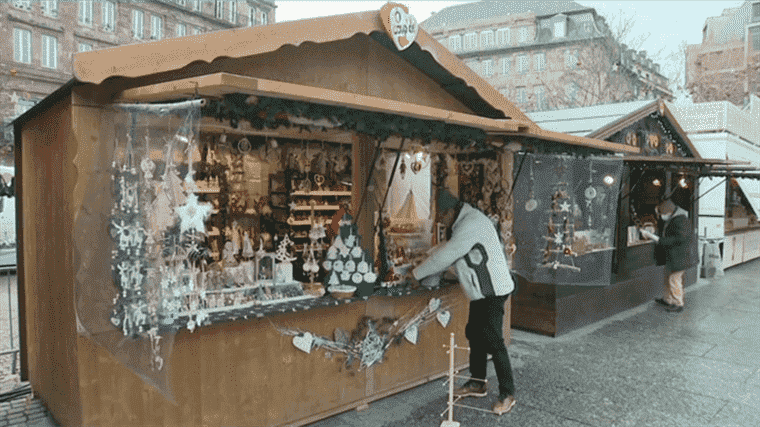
(304,342)
(443,317)
(400,25)
(411,333)
(434,304)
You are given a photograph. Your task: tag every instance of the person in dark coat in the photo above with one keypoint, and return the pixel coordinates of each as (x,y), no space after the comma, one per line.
(676,250)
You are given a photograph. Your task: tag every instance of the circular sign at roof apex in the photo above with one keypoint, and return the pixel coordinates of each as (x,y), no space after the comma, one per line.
(399,24)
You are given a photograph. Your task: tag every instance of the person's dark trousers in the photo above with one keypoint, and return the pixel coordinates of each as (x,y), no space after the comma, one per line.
(484,332)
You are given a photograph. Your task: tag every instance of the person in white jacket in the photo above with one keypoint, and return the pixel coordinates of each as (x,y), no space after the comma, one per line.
(476,252)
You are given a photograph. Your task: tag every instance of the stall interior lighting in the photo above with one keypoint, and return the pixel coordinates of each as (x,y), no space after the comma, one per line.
(656,182)
(683,183)
(608,180)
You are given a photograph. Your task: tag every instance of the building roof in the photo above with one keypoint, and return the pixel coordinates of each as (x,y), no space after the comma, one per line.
(459,14)
(729,26)
(586,120)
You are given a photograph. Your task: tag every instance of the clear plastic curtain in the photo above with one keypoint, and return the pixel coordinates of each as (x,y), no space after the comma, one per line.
(135,234)
(565,218)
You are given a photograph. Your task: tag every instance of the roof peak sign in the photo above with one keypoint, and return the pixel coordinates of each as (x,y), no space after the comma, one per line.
(400,25)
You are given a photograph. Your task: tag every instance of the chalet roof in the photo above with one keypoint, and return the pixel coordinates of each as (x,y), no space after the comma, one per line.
(603,121)
(585,120)
(170,55)
(459,14)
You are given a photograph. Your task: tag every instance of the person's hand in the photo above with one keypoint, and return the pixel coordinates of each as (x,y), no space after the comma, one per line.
(411,280)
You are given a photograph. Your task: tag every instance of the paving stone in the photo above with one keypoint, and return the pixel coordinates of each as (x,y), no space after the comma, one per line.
(735,414)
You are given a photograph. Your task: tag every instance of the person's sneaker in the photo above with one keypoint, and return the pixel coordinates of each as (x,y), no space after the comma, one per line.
(472,388)
(662,302)
(503,406)
(675,308)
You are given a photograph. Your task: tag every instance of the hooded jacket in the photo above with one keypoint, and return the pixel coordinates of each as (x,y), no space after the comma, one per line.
(476,252)
(676,248)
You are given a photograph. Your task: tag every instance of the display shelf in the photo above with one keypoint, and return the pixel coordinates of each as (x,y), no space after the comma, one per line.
(321,193)
(317,208)
(207,191)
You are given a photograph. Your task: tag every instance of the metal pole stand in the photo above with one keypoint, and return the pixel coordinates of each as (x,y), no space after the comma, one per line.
(452,374)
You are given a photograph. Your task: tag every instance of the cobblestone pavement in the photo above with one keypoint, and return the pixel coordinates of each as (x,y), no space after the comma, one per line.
(25,411)
(643,367)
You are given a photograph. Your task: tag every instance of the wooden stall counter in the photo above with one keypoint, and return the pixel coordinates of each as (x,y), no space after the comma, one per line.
(245,371)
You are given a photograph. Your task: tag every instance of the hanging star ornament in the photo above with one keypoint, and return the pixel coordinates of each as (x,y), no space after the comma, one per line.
(564,206)
(193,214)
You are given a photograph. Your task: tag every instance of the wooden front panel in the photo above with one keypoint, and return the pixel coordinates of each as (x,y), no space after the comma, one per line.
(247,373)
(49,300)
(533,307)
(406,362)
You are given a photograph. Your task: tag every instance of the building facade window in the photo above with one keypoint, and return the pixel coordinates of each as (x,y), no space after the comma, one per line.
(486,39)
(85,12)
(181,2)
(571,59)
(252,16)
(505,65)
(502,37)
(754,37)
(109,16)
(474,66)
(156,27)
(49,51)
(523,64)
(755,10)
(455,43)
(539,92)
(572,93)
(559,29)
(138,24)
(22,4)
(522,95)
(522,35)
(264,18)
(470,41)
(22,45)
(50,8)
(539,61)
(197,30)
(487,68)
(219,9)
(196,5)
(84,47)
(233,15)
(180,30)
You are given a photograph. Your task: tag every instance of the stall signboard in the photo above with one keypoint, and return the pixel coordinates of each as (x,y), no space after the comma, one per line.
(567,209)
(400,25)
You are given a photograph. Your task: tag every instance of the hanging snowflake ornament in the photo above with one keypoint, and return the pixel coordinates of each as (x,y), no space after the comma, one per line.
(193,215)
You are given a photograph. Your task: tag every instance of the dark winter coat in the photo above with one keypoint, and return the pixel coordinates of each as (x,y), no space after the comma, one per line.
(677,248)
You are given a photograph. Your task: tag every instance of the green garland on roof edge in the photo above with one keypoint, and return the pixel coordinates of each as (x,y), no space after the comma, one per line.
(270,113)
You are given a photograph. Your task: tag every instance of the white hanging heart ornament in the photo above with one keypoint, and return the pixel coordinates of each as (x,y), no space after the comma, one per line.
(304,342)
(411,334)
(434,304)
(443,317)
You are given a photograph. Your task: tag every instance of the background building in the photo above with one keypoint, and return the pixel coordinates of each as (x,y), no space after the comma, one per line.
(726,65)
(39,38)
(547,55)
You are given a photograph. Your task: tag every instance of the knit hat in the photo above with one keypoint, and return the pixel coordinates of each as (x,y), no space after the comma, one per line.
(445,200)
(666,207)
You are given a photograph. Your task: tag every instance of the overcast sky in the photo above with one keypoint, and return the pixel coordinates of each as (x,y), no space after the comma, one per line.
(663,24)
